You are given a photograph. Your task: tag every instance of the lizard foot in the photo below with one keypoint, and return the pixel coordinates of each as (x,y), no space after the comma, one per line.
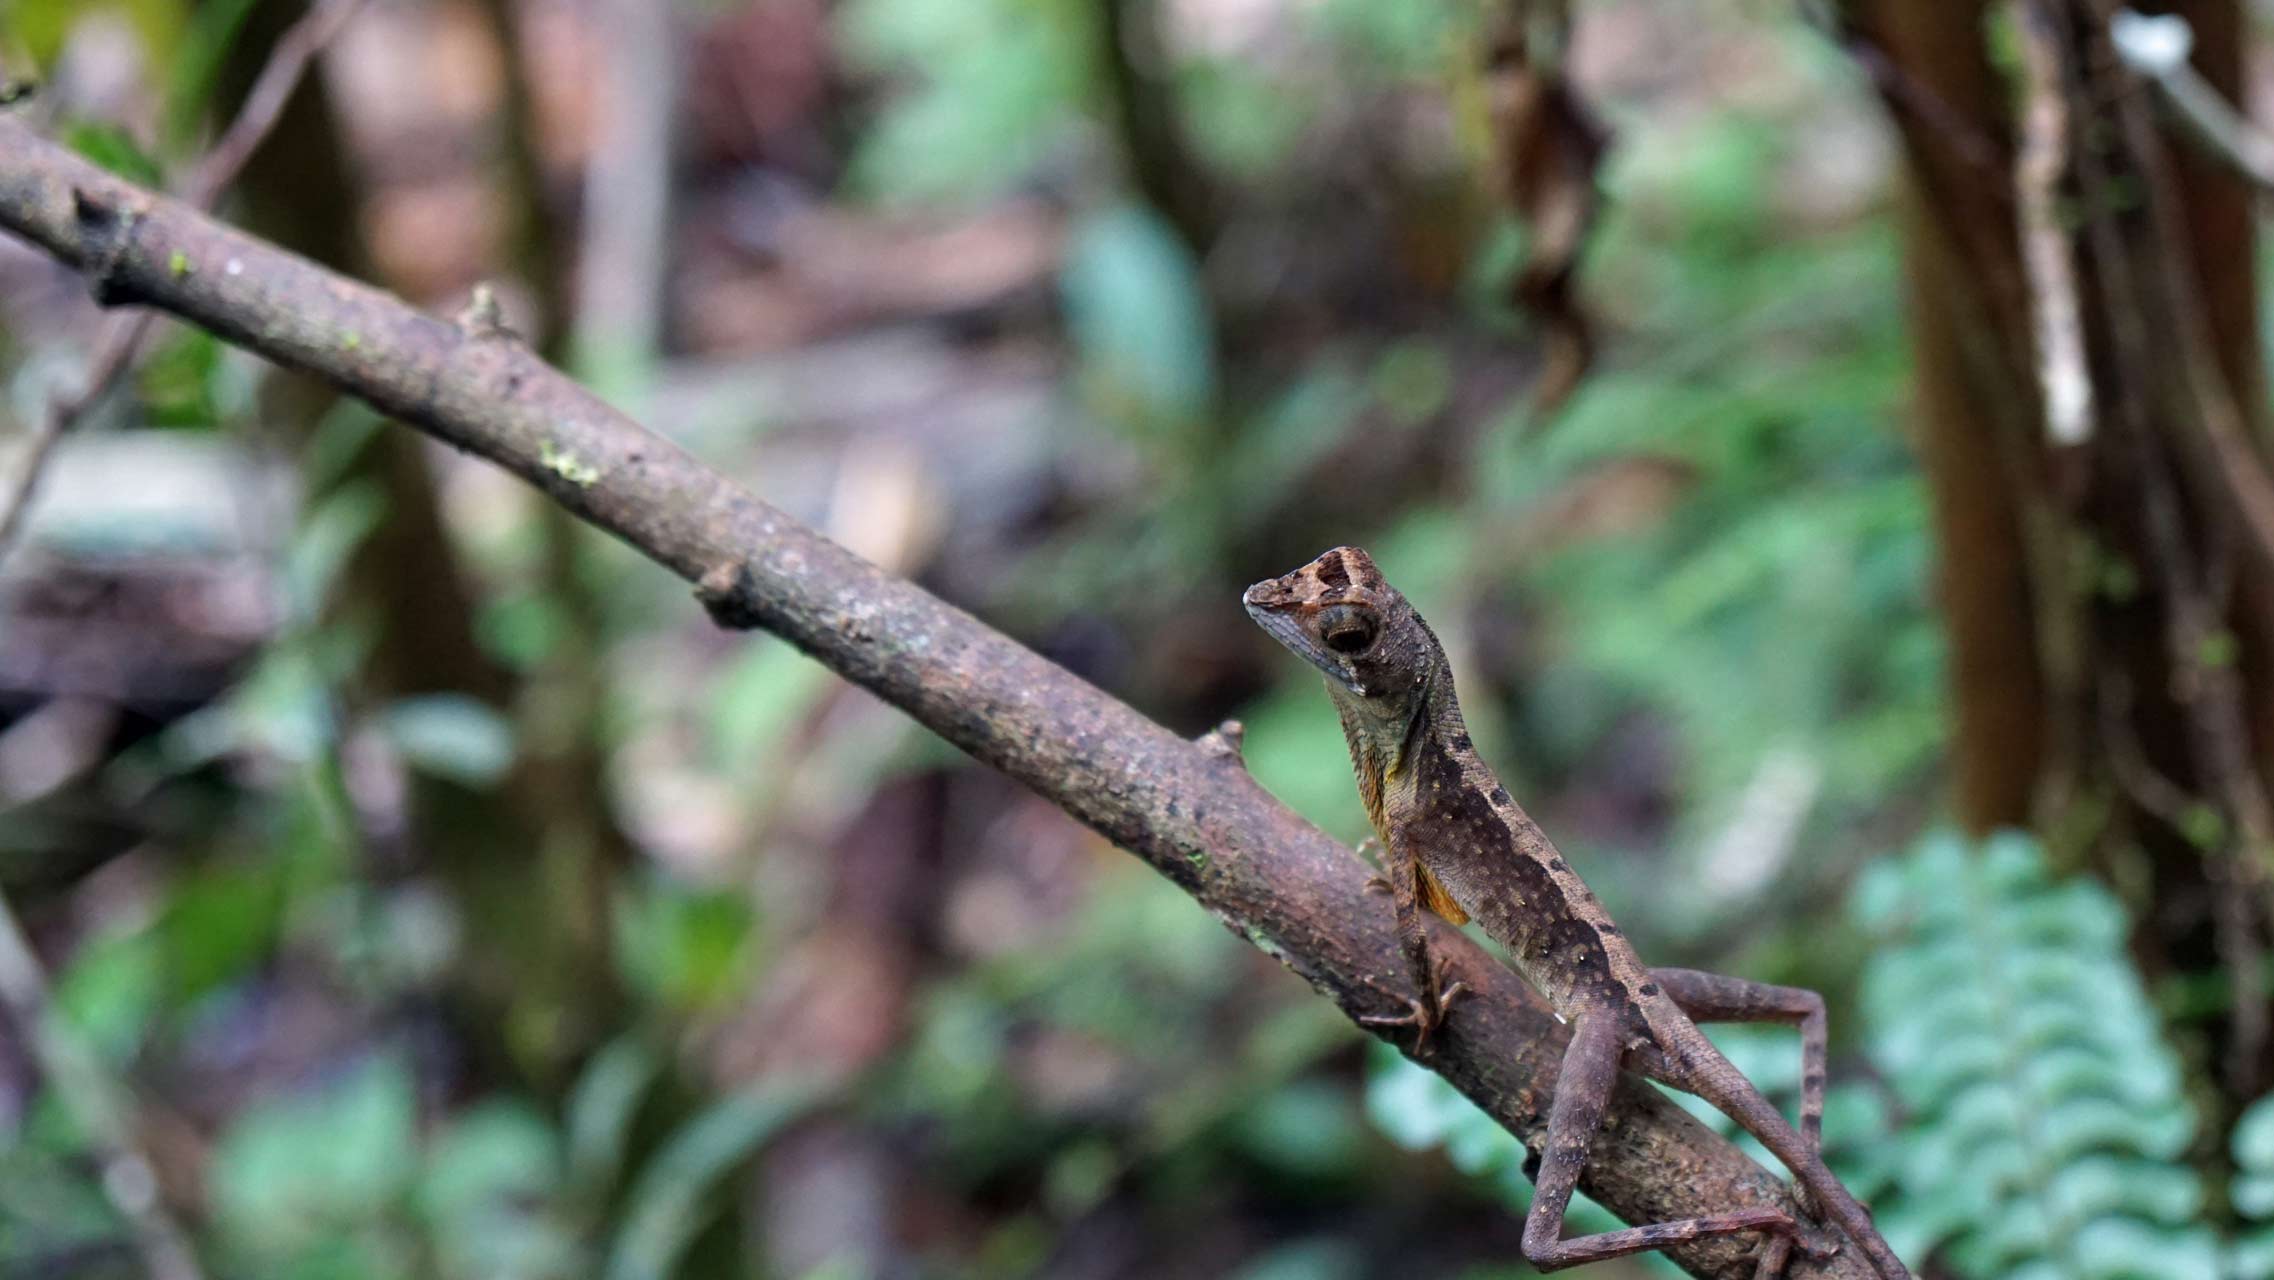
(1776,1252)
(1819,1245)
(1376,882)
(1423,1015)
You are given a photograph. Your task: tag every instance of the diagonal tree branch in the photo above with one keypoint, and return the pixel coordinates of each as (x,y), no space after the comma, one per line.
(1188,809)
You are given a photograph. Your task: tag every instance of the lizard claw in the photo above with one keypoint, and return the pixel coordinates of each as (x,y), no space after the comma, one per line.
(1816,1244)
(1776,1251)
(1424,1016)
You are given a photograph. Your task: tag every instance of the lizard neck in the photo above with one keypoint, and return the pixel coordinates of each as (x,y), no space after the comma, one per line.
(1383,748)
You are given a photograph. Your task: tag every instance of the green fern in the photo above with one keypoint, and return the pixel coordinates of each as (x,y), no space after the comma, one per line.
(2251,1257)
(2045,1125)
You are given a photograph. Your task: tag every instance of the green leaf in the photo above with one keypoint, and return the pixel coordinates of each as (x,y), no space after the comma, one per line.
(981,90)
(341,436)
(688,946)
(601,1109)
(111,992)
(114,149)
(1305,1128)
(496,1150)
(1328,1259)
(450,736)
(182,381)
(291,1172)
(489,1178)
(1138,314)
(327,537)
(219,923)
(197,59)
(674,1196)
(755,700)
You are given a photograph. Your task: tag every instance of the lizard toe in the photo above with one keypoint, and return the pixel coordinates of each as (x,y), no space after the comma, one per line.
(1418,1015)
(1776,1252)
(1818,1244)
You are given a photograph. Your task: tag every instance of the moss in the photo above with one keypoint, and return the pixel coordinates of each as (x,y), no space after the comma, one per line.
(180,265)
(565,464)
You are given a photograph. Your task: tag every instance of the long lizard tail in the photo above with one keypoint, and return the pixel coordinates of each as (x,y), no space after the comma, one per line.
(1752,1112)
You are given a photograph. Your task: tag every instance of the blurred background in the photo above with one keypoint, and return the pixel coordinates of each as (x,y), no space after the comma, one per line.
(417,884)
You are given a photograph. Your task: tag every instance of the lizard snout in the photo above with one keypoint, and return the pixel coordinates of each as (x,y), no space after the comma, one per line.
(1271,593)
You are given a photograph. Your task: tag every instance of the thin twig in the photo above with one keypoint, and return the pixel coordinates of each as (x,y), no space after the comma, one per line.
(1192,814)
(2156,47)
(617,322)
(99,1105)
(114,348)
(1916,102)
(2039,164)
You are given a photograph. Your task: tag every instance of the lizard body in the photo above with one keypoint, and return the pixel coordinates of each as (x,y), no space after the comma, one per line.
(1456,844)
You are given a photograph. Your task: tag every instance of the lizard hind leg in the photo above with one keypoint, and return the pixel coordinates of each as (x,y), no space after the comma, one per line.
(1707,997)
(1714,997)
(1583,1087)
(1718,997)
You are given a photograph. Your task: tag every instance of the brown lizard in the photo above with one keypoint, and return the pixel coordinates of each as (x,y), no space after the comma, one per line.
(1455,844)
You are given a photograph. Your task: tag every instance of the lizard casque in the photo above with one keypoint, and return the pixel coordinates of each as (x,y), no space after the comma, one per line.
(1455,844)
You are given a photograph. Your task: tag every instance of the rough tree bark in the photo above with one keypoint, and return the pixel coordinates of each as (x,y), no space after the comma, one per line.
(1188,809)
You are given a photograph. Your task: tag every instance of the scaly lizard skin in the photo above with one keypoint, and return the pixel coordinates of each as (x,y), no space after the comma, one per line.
(1455,844)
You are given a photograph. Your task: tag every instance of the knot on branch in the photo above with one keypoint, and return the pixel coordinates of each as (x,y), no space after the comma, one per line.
(729,596)
(1227,741)
(106,231)
(482,317)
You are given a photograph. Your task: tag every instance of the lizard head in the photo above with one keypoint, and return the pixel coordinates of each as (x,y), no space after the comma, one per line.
(1338,613)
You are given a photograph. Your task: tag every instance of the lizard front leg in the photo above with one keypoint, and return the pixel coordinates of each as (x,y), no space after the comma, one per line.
(1582,1088)
(1433,996)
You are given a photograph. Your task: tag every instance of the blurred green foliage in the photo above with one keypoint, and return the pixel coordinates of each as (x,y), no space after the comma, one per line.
(1138,321)
(990,87)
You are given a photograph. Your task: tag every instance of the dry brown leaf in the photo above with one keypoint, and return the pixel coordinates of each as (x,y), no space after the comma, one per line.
(1547,145)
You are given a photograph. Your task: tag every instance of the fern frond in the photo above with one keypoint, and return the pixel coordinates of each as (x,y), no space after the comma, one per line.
(2045,1124)
(2251,1256)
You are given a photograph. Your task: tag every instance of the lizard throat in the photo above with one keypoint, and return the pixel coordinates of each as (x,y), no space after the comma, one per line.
(1382,755)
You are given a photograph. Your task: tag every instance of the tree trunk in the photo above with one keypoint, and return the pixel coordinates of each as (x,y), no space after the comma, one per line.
(2107,596)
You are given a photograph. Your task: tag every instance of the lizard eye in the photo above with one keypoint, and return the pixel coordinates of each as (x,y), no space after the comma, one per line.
(1347,630)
